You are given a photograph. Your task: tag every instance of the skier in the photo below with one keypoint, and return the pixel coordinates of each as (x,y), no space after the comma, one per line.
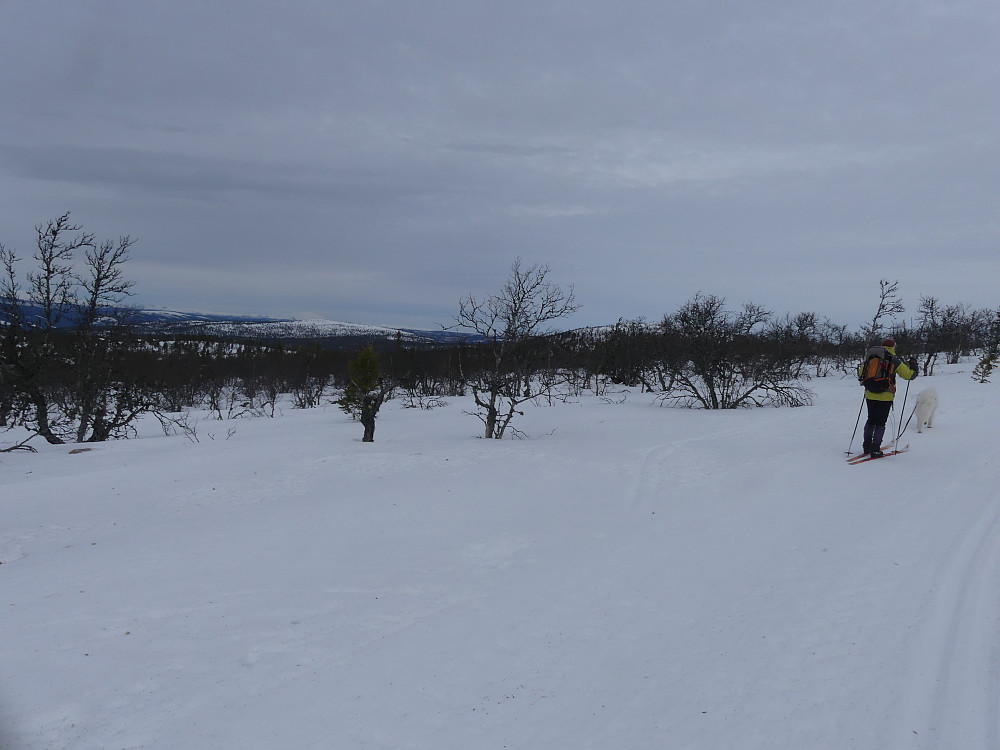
(880,403)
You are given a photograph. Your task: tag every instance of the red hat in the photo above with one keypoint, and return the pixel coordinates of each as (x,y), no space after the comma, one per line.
(891,343)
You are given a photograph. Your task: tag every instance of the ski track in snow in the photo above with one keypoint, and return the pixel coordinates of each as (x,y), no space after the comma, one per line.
(683,461)
(953,695)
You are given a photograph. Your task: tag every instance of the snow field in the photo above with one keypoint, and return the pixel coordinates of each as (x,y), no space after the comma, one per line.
(629,576)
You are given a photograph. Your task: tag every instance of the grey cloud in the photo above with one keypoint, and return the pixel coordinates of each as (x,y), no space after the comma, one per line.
(406,152)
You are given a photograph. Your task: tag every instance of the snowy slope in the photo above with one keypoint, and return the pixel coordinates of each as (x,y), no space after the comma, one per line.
(300,329)
(174,322)
(629,577)
(310,330)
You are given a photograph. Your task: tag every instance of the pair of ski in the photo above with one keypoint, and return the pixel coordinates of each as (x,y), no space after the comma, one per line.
(864,457)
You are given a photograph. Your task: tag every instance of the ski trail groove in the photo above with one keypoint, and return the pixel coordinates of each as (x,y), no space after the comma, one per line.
(660,468)
(953,698)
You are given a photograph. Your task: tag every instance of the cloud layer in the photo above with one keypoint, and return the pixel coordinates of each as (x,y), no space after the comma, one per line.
(375,161)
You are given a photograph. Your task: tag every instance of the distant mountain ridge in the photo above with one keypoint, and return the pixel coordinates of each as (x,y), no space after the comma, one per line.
(277,329)
(329,333)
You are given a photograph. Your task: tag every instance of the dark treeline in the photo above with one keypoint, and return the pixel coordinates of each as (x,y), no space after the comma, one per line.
(92,384)
(72,368)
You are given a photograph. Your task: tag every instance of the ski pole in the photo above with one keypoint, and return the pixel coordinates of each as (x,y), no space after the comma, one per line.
(912,412)
(903,411)
(854,434)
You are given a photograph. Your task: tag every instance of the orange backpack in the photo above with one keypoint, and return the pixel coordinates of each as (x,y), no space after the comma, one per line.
(877,371)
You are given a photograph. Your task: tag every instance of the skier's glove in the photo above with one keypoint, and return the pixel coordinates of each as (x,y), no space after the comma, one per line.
(912,364)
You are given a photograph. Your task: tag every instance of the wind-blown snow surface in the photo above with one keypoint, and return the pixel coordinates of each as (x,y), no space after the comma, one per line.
(630,576)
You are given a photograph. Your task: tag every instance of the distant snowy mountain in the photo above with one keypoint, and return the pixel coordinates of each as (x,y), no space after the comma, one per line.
(328,333)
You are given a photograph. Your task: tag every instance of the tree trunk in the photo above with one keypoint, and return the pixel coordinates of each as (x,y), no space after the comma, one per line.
(42,418)
(369,408)
(491,421)
(369,431)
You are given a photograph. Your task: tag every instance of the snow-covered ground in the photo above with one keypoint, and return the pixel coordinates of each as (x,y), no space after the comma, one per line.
(629,576)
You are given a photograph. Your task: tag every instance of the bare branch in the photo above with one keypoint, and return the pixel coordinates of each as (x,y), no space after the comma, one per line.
(106,285)
(889,306)
(52,287)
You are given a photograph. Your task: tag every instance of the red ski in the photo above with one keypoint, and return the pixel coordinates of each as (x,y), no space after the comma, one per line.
(864,459)
(862,456)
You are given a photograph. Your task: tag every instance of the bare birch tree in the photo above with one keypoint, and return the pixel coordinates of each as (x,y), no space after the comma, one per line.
(890,304)
(511,322)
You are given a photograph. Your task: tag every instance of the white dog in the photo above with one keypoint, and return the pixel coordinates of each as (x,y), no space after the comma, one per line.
(927,402)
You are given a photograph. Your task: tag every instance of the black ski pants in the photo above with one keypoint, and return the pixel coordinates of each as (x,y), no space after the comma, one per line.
(878,415)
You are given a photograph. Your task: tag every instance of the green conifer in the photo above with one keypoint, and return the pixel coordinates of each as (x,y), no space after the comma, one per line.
(365,371)
(983,370)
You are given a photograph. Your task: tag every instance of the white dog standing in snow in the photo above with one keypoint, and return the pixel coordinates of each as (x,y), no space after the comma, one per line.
(927,402)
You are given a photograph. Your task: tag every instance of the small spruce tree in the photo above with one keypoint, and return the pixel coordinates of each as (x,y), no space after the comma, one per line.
(365,371)
(983,370)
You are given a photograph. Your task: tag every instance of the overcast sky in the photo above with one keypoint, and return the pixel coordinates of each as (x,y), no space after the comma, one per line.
(374,161)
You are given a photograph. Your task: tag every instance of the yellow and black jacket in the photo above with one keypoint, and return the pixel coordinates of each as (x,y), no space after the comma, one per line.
(896,367)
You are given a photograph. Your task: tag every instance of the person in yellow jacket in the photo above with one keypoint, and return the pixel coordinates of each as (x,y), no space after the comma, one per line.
(880,402)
